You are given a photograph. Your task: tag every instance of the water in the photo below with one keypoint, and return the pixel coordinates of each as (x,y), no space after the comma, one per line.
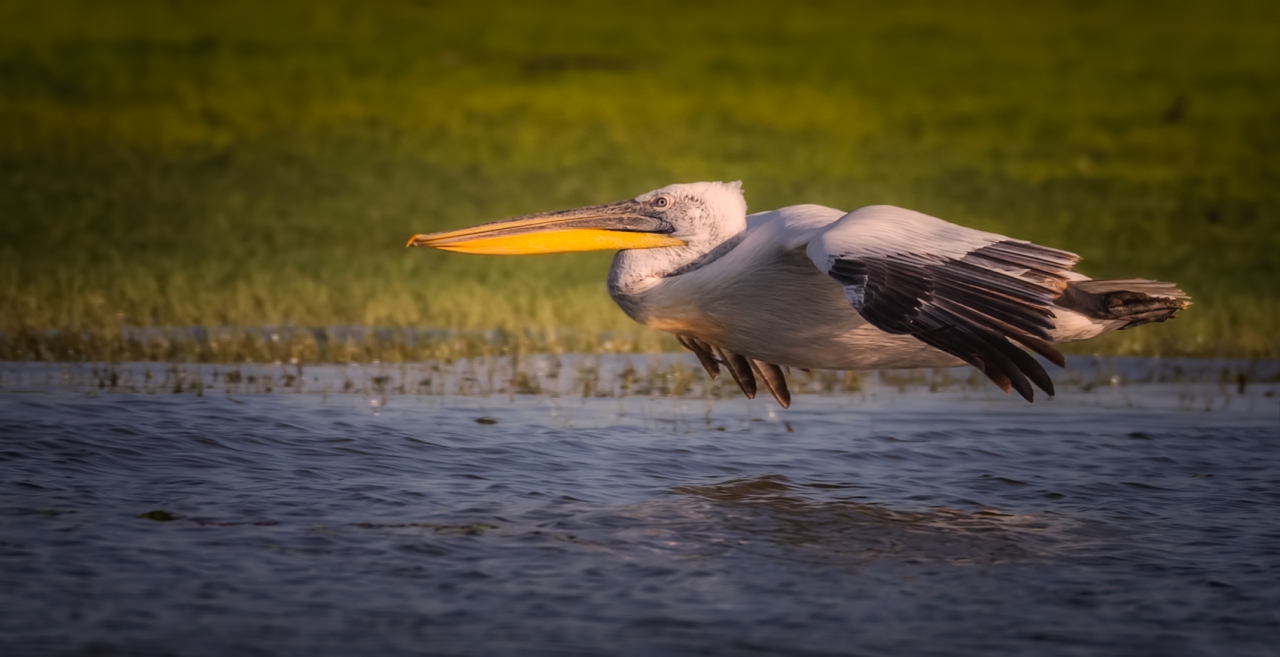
(916,515)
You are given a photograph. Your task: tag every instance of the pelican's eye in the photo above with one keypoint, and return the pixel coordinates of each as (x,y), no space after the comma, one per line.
(661,202)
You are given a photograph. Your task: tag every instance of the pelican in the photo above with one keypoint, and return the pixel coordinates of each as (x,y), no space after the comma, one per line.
(812,287)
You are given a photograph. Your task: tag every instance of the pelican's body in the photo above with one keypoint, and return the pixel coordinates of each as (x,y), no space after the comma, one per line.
(814,287)
(765,299)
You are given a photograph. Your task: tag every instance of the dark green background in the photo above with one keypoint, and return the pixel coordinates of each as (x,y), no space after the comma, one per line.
(262,163)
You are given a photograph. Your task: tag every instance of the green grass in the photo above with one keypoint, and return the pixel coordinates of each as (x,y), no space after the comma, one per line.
(262,163)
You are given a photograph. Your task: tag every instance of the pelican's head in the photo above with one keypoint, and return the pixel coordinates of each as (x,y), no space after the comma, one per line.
(695,214)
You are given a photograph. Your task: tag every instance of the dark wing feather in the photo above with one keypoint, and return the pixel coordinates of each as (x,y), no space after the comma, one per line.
(703,351)
(746,372)
(774,380)
(970,306)
(740,369)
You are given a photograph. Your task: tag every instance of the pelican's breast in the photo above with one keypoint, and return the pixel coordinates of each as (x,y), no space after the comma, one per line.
(767,303)
(683,317)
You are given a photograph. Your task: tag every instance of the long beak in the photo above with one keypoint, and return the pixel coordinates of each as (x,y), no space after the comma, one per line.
(613,226)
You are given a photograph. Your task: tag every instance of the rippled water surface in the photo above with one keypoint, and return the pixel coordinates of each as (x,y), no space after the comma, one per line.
(902,518)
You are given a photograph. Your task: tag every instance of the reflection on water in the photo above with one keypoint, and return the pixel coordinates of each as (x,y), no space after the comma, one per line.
(795,526)
(914,514)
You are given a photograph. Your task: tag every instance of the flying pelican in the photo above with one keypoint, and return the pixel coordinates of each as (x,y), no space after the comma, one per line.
(812,287)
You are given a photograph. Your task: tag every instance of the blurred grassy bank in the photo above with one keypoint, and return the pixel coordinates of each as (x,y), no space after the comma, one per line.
(245,164)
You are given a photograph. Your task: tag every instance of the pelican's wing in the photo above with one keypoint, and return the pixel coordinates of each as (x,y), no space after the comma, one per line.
(743,370)
(956,289)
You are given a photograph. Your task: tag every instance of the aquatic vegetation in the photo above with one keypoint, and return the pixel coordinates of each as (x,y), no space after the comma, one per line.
(600,376)
(317,344)
(240,165)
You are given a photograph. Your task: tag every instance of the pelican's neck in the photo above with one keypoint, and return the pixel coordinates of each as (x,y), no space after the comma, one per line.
(637,271)
(710,218)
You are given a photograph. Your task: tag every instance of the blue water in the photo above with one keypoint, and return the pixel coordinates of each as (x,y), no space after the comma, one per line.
(1120,517)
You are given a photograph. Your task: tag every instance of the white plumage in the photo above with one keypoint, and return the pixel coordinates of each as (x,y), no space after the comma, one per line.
(813,287)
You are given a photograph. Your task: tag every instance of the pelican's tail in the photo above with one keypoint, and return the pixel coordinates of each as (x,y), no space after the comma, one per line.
(1129,302)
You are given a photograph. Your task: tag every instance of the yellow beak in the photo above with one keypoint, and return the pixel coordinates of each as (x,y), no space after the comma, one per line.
(615,226)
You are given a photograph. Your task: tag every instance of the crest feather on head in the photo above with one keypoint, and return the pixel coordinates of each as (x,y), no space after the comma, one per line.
(727,195)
